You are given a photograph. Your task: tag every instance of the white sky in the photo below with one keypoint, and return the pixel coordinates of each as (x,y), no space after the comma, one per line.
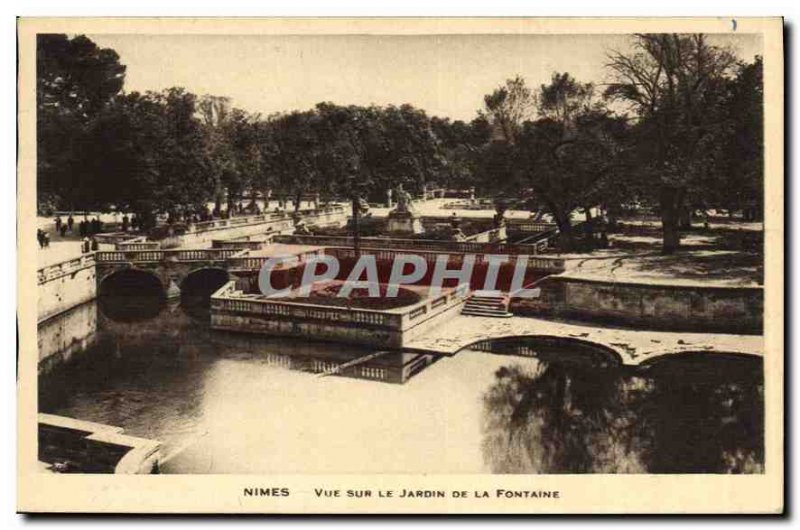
(446,75)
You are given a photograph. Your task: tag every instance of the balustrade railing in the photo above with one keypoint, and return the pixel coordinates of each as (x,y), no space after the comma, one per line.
(525,225)
(57,270)
(228,299)
(205,254)
(253,263)
(548,264)
(410,244)
(138,243)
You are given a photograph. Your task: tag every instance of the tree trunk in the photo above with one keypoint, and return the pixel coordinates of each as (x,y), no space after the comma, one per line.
(267,195)
(566,241)
(588,229)
(685,220)
(613,217)
(217,204)
(356,234)
(228,203)
(297,198)
(670,198)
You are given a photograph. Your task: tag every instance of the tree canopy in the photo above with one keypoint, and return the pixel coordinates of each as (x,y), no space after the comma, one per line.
(679,127)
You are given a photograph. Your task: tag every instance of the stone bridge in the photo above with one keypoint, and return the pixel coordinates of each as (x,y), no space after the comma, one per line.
(630,346)
(173,266)
(170,267)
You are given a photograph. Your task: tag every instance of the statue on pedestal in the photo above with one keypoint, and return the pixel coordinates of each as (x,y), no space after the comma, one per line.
(403,200)
(402,219)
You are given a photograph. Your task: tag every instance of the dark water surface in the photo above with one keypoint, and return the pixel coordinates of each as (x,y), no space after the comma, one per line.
(227,403)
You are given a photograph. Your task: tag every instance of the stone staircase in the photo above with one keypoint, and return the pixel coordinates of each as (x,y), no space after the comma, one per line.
(483,304)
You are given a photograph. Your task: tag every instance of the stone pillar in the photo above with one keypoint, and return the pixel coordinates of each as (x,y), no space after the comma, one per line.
(173,291)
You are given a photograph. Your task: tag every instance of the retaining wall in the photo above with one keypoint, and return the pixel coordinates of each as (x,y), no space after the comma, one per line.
(657,306)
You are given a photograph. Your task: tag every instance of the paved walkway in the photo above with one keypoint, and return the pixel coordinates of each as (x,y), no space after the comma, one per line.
(633,346)
(725,255)
(690,268)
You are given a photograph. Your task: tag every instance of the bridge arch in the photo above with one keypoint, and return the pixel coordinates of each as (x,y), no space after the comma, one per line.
(203,281)
(547,347)
(665,360)
(131,294)
(130,281)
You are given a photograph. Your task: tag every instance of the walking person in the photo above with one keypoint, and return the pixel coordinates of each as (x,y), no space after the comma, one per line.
(70,222)
(58,224)
(40,237)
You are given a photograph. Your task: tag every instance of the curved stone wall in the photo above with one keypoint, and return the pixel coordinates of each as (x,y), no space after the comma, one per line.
(656,306)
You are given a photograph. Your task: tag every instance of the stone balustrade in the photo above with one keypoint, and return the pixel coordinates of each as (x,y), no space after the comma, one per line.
(233,310)
(546,264)
(57,270)
(155,256)
(440,247)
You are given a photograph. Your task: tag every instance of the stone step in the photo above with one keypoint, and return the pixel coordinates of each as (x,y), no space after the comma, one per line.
(496,298)
(484,313)
(488,301)
(483,303)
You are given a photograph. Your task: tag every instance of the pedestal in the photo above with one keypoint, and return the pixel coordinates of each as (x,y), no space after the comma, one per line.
(401,223)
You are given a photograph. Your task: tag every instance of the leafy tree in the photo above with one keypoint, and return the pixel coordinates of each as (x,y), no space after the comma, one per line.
(507,107)
(146,153)
(462,146)
(569,166)
(215,114)
(737,181)
(564,100)
(670,81)
(562,161)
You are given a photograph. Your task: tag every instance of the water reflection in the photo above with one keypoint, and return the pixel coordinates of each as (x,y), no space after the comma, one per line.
(237,403)
(695,414)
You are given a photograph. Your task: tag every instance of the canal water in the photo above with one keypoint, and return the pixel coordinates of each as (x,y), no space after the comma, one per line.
(231,403)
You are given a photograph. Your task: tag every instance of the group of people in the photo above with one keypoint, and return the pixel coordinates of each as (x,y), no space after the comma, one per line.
(88,245)
(86,228)
(132,222)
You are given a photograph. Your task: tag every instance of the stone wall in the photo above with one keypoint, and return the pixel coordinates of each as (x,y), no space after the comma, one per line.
(64,286)
(200,238)
(657,306)
(236,227)
(64,334)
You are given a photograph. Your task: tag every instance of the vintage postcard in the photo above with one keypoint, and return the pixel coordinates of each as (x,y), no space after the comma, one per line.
(401,266)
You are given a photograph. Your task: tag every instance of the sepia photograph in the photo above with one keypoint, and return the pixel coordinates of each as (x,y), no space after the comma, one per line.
(534,257)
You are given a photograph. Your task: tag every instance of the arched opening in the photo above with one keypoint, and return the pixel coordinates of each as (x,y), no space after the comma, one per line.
(131,294)
(564,350)
(197,288)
